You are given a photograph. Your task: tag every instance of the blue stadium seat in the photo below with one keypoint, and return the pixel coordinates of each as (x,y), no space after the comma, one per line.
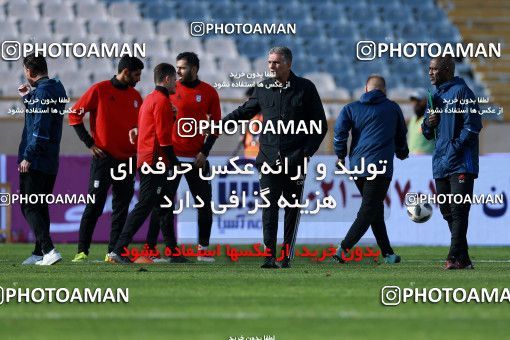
(415,80)
(300,66)
(159,11)
(321,48)
(355,7)
(88,10)
(345,44)
(376,32)
(328,13)
(193,11)
(426,5)
(426,16)
(327,31)
(8,30)
(396,13)
(340,31)
(363,15)
(226,13)
(309,30)
(294,43)
(335,65)
(124,10)
(348,81)
(318,2)
(412,32)
(445,33)
(257,13)
(226,3)
(393,82)
(366,68)
(298,13)
(405,66)
(379,5)
(253,48)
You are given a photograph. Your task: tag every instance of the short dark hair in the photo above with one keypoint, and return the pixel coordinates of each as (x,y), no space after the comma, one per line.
(446,63)
(380,80)
(131,63)
(36,64)
(284,51)
(190,57)
(161,71)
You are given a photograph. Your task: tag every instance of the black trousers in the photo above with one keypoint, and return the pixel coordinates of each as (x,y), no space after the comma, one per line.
(197,187)
(100,181)
(456,215)
(38,215)
(160,221)
(153,188)
(371,213)
(278,185)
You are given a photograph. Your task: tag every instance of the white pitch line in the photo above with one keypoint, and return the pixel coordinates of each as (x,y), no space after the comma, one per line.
(345,314)
(403,261)
(474,261)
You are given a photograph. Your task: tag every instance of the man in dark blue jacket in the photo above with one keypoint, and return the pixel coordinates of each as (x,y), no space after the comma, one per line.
(378,132)
(455,159)
(38,152)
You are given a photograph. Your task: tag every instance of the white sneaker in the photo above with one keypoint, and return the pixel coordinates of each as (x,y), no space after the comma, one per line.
(209,259)
(51,258)
(158,259)
(33,259)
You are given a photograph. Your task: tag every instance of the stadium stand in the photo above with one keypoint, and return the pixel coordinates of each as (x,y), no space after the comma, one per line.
(494,27)
(326,29)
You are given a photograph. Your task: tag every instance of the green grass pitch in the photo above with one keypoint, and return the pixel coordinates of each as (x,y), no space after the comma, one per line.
(225,299)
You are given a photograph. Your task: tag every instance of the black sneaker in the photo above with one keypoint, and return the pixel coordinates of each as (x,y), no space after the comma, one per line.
(285,263)
(466,265)
(114,258)
(450,265)
(178,259)
(460,262)
(392,258)
(337,259)
(270,263)
(464,262)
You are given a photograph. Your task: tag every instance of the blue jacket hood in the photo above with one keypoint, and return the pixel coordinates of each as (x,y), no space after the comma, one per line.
(373,97)
(452,82)
(52,86)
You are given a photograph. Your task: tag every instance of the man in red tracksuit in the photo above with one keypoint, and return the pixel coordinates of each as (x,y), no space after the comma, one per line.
(113,106)
(198,100)
(155,124)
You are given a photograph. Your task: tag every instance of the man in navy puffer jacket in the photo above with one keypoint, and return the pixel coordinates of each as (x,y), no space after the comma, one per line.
(452,118)
(378,133)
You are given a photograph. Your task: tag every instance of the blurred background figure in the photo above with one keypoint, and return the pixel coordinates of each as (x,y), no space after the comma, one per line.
(418,144)
(251,142)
